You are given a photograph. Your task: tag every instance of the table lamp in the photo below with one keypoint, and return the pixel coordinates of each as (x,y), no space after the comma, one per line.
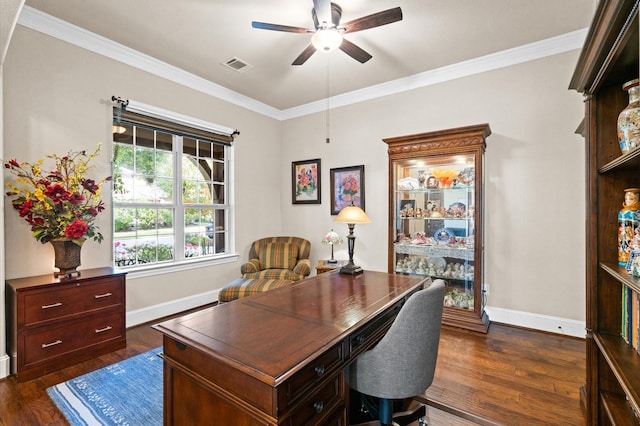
(332,238)
(351,215)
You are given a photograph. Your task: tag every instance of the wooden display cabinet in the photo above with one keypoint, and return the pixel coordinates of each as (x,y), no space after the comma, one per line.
(436,206)
(608,60)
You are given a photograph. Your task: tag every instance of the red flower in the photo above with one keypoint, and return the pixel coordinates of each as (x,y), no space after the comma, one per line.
(57,193)
(34,222)
(77,229)
(76,199)
(25,208)
(90,185)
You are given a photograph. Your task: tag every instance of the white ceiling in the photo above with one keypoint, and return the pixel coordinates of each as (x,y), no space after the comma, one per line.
(198,35)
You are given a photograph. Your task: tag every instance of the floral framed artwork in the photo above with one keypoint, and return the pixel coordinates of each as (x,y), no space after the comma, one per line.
(347,187)
(305,182)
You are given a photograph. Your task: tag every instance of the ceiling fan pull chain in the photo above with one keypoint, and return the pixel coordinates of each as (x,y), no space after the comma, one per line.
(328,127)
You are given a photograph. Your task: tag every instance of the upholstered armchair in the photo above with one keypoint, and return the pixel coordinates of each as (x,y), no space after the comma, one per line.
(282,258)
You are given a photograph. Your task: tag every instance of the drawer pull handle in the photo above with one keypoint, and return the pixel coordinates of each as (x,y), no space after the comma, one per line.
(46,345)
(53,305)
(318,406)
(100,296)
(319,370)
(102,330)
(360,339)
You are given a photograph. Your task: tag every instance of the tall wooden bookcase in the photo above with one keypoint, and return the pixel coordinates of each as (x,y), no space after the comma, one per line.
(608,60)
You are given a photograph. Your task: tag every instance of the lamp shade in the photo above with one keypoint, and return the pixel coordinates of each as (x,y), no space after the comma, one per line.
(332,238)
(352,214)
(326,40)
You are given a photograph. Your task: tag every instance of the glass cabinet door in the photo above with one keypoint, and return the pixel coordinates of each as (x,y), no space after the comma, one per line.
(435,216)
(435,225)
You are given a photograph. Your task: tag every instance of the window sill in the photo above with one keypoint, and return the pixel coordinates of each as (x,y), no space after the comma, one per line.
(167,268)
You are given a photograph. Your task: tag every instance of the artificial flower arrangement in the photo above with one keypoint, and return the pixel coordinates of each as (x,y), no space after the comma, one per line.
(61,203)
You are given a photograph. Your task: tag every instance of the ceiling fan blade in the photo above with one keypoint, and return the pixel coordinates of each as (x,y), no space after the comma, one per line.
(306,54)
(276,27)
(354,51)
(323,11)
(374,20)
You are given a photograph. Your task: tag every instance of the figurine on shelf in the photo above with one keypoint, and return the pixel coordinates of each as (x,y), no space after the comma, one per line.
(419,239)
(448,271)
(422,179)
(627,224)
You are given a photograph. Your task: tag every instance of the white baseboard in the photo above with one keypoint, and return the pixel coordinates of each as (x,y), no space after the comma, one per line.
(5,366)
(537,322)
(151,313)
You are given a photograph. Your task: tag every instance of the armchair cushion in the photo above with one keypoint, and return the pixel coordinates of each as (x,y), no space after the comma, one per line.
(278,256)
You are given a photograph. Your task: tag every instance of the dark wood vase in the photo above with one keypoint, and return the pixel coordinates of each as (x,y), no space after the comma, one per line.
(67,257)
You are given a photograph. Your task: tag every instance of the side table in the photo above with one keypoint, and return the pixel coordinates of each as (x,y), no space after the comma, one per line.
(324,266)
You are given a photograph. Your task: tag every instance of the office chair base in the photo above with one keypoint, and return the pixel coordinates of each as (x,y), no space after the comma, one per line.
(405,418)
(369,411)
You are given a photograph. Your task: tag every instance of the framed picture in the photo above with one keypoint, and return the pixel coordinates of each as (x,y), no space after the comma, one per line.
(347,187)
(305,182)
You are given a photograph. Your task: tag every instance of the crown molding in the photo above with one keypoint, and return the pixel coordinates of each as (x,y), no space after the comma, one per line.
(62,30)
(517,55)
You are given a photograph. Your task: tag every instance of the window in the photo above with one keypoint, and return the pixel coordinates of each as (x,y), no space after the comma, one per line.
(170,193)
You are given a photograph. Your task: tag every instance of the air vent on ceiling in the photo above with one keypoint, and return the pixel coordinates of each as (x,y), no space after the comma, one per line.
(237,64)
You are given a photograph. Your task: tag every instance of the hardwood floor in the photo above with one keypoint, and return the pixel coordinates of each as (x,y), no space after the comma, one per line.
(510,376)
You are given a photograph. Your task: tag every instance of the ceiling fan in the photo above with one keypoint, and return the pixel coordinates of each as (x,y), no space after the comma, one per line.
(327,35)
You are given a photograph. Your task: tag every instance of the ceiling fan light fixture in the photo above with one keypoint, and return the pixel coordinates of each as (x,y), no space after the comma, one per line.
(326,40)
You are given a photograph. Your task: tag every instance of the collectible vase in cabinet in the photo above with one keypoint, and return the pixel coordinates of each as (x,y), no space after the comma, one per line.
(608,61)
(436,204)
(56,322)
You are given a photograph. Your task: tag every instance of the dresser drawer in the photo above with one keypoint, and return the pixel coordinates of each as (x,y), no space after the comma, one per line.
(73,299)
(55,341)
(317,370)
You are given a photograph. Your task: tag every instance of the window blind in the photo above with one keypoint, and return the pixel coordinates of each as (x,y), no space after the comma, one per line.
(123,116)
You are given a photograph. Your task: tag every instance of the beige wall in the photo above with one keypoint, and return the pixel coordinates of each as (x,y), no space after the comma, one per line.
(56,98)
(534,234)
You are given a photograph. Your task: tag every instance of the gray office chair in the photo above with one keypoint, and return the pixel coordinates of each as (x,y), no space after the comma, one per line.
(403,363)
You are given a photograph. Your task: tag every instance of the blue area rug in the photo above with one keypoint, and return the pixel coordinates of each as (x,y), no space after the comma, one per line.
(125,393)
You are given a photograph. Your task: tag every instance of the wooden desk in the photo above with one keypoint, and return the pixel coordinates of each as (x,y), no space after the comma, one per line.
(280,357)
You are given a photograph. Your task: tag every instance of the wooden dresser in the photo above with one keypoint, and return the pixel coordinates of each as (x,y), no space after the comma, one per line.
(280,357)
(56,322)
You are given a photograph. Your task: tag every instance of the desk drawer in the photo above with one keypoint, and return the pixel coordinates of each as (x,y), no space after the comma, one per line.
(319,369)
(60,302)
(314,410)
(370,334)
(68,337)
